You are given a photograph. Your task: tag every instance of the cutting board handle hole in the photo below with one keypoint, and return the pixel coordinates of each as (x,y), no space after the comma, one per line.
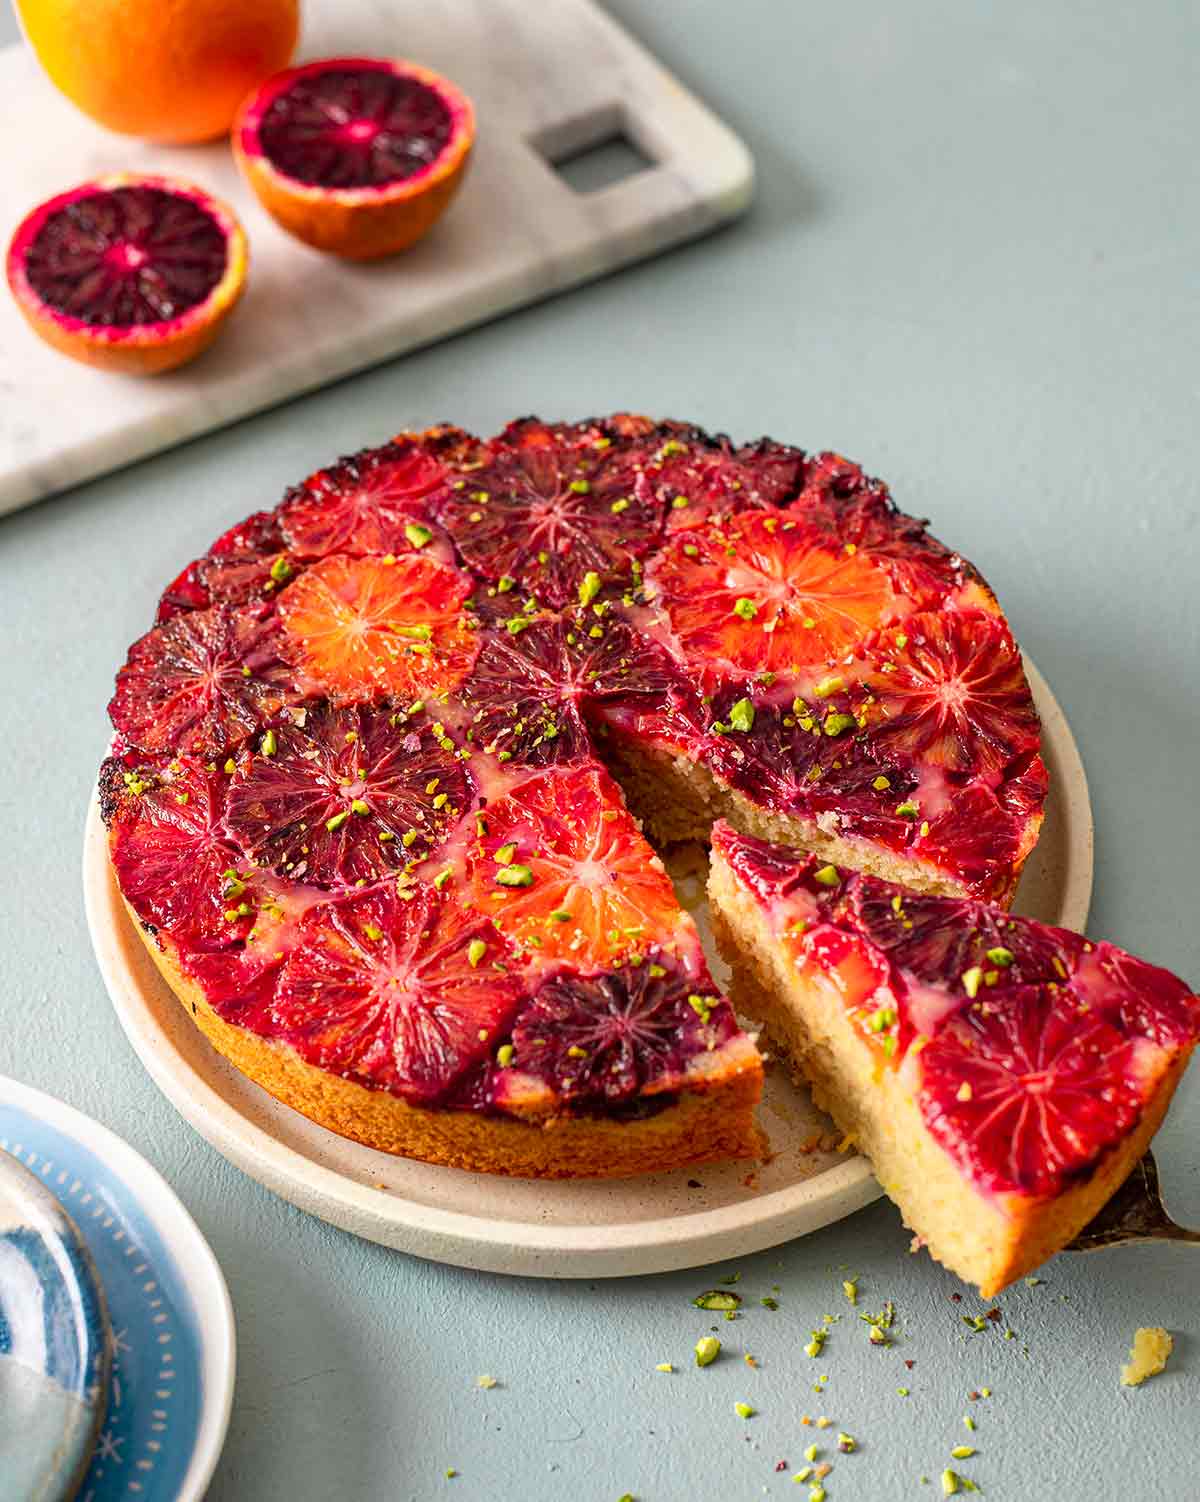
(595,150)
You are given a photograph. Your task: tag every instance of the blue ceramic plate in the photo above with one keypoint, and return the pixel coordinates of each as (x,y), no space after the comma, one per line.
(55,1343)
(173,1356)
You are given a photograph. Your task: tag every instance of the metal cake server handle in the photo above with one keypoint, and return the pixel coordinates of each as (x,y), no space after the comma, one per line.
(1135,1213)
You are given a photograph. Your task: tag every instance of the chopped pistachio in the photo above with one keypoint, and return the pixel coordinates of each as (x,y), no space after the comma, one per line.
(971,980)
(373,932)
(514,876)
(881,784)
(741,716)
(486,1382)
(618,506)
(949,1483)
(359,806)
(835,724)
(664,1366)
(962,1452)
(827,876)
(589,587)
(580,487)
(717,1298)
(964,1091)
(504,855)
(908,809)
(476,950)
(827,686)
(269,744)
(708,1348)
(816,1344)
(744,1411)
(441,879)
(745,608)
(811,1453)
(337,820)
(1001,956)
(846,1443)
(504,1055)
(417,534)
(850,1289)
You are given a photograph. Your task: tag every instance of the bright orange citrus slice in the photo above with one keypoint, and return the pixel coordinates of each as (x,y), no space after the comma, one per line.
(364,627)
(565,872)
(767,594)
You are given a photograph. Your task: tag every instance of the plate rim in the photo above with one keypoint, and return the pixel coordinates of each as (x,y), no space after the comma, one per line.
(479,1242)
(195,1259)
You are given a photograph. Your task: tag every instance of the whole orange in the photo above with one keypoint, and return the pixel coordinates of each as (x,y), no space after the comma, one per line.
(168,70)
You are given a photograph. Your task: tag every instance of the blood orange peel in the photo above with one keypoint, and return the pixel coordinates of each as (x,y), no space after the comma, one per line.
(356,156)
(170,72)
(129,272)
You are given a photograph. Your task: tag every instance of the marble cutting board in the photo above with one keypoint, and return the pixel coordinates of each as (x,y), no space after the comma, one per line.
(549,81)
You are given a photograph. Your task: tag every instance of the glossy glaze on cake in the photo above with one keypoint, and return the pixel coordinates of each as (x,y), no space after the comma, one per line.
(360,794)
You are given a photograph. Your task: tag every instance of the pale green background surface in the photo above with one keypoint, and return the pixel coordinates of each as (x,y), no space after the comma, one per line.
(973,265)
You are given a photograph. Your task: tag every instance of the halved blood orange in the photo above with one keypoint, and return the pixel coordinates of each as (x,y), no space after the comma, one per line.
(355,155)
(403,994)
(128,272)
(362,627)
(565,872)
(767,594)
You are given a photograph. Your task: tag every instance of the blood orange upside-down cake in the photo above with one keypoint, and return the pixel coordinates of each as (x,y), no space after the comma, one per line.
(382,766)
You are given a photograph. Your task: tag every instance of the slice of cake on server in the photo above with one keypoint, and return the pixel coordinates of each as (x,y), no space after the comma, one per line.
(1003,1076)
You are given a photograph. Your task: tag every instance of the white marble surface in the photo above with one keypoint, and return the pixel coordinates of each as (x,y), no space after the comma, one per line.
(550,76)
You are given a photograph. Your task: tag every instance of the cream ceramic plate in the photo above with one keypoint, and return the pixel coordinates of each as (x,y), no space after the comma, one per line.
(559,1230)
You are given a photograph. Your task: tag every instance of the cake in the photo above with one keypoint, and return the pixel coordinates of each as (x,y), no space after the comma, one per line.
(1002,1076)
(385,765)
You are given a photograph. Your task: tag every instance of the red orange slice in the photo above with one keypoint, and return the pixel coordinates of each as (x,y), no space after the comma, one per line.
(363,627)
(564,871)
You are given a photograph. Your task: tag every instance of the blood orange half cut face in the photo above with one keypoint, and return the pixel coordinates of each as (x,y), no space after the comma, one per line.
(953,692)
(764,594)
(347,796)
(368,503)
(564,871)
(363,627)
(170,852)
(355,155)
(612,1036)
(130,272)
(551,504)
(202,681)
(393,992)
(1048,1087)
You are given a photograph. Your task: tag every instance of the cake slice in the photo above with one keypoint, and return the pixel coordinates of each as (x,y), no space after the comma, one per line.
(1002,1076)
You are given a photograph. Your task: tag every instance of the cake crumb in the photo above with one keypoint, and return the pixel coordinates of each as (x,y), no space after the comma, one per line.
(1151,1347)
